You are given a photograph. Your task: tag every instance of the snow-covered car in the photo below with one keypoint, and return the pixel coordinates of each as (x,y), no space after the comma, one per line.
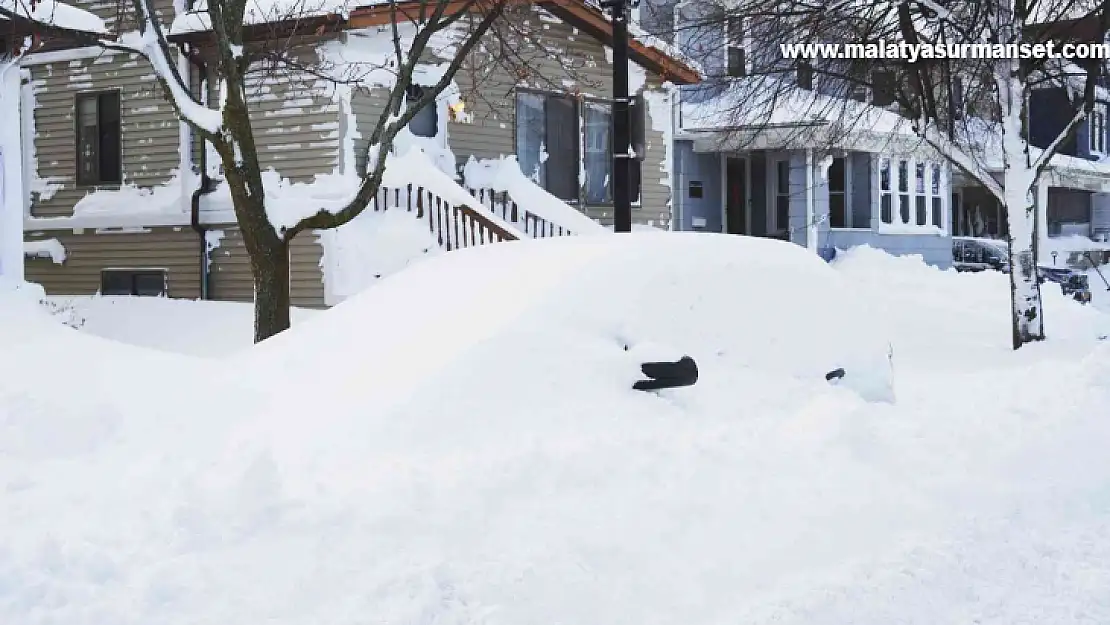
(733,304)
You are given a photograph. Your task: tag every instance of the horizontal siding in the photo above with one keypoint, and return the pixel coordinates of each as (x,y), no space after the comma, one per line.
(177,250)
(295,119)
(148,126)
(231,278)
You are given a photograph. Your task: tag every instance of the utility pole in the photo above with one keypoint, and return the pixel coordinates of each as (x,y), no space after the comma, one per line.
(622,193)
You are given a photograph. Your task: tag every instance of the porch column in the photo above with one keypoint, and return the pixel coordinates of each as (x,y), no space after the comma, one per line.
(11,174)
(811,221)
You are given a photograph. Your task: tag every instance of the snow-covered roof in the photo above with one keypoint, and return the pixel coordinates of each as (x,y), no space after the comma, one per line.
(650,52)
(53,13)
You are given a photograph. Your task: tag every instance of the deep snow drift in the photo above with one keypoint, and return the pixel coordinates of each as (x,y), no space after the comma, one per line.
(459,445)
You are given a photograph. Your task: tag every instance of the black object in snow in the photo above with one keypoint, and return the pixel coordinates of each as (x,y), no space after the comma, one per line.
(683,372)
(835,374)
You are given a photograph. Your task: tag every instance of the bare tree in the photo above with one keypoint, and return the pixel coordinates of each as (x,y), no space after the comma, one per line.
(971,108)
(239,37)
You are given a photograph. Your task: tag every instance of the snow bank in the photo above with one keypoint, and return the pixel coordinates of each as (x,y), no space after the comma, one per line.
(371,247)
(194,328)
(46,248)
(459,445)
(954,312)
(504,175)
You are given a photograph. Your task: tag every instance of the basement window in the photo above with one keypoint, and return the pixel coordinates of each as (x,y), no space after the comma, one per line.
(138,282)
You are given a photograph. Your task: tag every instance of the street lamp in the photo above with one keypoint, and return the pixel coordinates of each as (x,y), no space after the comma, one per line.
(621,120)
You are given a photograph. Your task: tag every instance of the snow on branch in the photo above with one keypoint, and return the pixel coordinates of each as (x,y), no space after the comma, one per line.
(150,41)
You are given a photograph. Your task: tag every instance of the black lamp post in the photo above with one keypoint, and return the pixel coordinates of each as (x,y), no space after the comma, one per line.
(622,157)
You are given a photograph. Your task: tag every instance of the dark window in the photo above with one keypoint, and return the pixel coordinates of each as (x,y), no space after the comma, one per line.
(547,141)
(957,102)
(426,121)
(805,75)
(838,188)
(782,198)
(146,282)
(737,55)
(696,191)
(882,88)
(98,139)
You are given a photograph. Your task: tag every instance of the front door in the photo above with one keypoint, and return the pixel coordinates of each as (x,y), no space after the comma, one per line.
(736,196)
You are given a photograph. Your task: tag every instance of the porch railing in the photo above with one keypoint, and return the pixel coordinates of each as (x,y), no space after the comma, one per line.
(505,207)
(453,226)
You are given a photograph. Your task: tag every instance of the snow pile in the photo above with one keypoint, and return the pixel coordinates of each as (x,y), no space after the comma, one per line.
(188,327)
(956,313)
(46,248)
(371,247)
(55,14)
(504,175)
(459,444)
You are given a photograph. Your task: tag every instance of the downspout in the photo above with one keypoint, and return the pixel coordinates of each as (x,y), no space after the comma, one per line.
(203,188)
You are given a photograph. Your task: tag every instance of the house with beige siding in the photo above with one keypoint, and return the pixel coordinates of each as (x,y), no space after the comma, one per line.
(122,198)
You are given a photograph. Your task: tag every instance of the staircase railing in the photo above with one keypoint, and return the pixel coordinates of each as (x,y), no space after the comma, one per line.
(453,226)
(505,207)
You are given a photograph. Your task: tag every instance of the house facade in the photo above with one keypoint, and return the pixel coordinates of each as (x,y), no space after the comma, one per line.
(122,198)
(829,165)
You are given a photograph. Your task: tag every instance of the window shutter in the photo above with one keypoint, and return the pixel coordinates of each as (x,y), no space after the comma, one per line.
(737,60)
(805,75)
(562,147)
(108,126)
(638,112)
(882,88)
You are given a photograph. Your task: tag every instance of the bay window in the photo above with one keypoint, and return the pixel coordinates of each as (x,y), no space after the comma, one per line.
(911,192)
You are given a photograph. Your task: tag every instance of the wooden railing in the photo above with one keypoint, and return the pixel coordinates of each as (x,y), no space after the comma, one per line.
(454,227)
(505,207)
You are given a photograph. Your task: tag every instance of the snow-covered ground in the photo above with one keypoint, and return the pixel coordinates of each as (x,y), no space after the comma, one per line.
(459,444)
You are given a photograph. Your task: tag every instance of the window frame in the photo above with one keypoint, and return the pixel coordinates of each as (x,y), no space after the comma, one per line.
(777,195)
(901,190)
(580,101)
(545,94)
(96,96)
(741,44)
(1096,130)
(845,193)
(133,273)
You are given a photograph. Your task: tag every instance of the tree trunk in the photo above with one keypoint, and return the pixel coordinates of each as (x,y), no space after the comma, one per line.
(1025,288)
(271,290)
(269,256)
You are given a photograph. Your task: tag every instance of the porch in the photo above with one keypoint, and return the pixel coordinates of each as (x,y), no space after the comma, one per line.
(824,200)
